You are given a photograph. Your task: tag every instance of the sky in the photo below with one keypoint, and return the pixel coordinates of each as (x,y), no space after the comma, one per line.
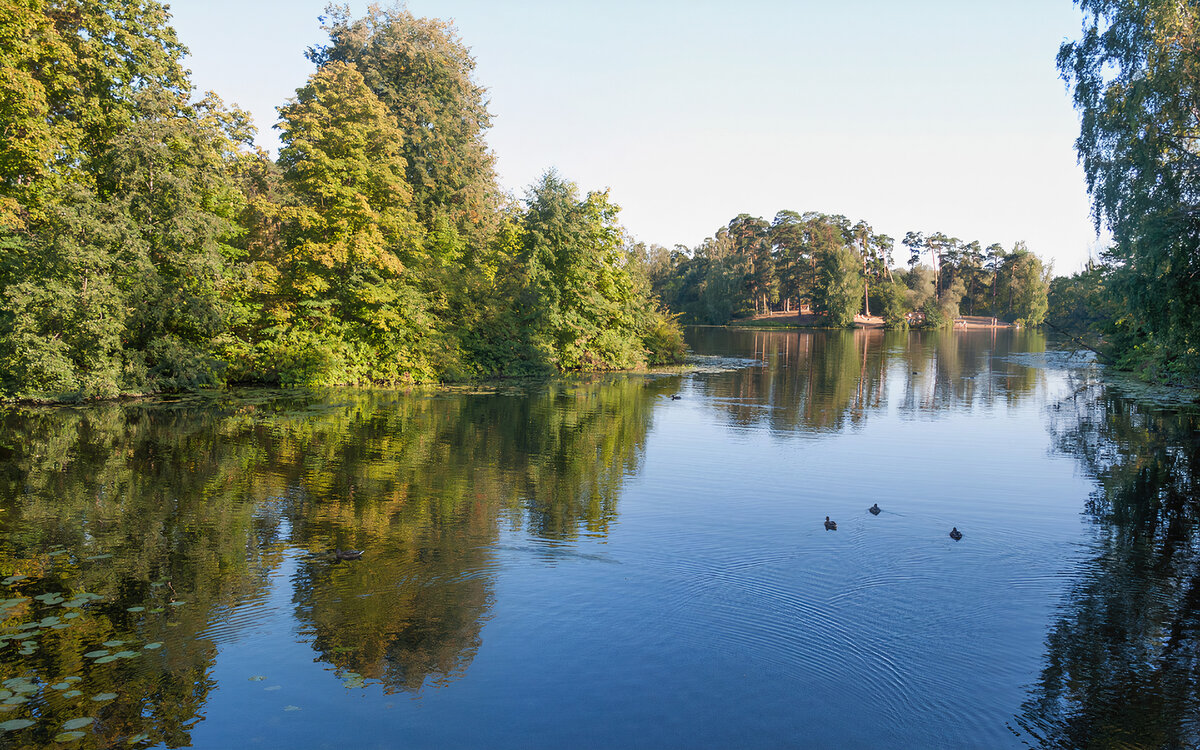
(918,115)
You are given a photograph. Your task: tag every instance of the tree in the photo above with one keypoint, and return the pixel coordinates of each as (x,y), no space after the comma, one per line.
(112,283)
(423,74)
(840,286)
(349,308)
(751,242)
(1135,72)
(579,299)
(787,239)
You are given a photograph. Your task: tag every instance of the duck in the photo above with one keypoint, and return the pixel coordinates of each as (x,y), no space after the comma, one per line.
(676,397)
(955,534)
(830,525)
(347,554)
(874,509)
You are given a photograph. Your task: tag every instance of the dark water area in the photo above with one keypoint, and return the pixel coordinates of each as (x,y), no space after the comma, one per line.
(593,563)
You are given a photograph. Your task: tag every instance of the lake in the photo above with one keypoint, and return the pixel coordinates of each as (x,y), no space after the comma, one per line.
(595,563)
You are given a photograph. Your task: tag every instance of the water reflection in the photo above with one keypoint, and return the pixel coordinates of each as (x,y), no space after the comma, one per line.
(1122,664)
(140,542)
(824,381)
(135,537)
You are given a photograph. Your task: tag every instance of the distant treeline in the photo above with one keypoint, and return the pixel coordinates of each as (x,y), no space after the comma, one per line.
(1135,74)
(146,245)
(836,269)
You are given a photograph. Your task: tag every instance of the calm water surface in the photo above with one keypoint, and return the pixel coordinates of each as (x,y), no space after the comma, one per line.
(594,564)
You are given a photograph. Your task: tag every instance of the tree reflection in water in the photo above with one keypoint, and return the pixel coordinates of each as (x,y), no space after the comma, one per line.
(1122,664)
(171,517)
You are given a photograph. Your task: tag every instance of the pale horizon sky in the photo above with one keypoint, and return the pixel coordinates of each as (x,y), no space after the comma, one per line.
(930,115)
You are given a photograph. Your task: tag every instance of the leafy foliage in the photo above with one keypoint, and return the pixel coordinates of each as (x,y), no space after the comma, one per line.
(1135,72)
(148,247)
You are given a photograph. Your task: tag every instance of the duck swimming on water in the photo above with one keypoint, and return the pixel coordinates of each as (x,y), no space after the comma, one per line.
(347,554)
(874,509)
(830,525)
(955,534)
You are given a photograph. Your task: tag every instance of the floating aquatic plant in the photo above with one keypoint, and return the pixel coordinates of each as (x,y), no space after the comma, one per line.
(14,724)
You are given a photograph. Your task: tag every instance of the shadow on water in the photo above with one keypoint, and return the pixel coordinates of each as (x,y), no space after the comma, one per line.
(1122,662)
(136,537)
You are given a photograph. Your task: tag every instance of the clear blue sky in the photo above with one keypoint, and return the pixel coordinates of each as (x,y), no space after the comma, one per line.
(930,115)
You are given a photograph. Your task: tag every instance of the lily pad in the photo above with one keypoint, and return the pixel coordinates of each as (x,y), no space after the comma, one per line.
(176,604)
(57,552)
(156,610)
(80,723)
(101,697)
(142,737)
(135,609)
(6,603)
(72,693)
(61,626)
(106,659)
(72,678)
(70,615)
(69,736)
(14,724)
(13,579)
(5,694)
(112,644)
(127,654)
(61,686)
(104,556)
(16,700)
(48,621)
(152,646)
(97,654)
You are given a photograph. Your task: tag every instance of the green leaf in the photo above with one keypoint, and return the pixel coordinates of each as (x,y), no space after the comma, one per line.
(83,721)
(101,697)
(14,724)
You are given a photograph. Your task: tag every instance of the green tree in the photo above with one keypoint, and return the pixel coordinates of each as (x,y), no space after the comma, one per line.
(787,238)
(349,308)
(579,298)
(840,286)
(1135,72)
(751,242)
(424,75)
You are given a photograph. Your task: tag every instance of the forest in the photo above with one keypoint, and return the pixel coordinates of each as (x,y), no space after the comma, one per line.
(147,245)
(1134,73)
(837,270)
